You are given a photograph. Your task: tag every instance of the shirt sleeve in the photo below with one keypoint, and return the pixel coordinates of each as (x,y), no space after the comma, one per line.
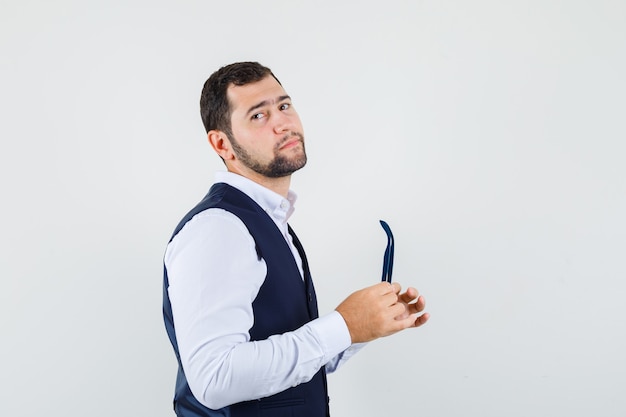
(337,361)
(214,276)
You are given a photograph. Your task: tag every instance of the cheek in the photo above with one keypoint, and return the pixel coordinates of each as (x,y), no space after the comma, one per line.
(298,122)
(255,141)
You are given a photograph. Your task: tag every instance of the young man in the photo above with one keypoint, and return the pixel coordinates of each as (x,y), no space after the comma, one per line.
(239,304)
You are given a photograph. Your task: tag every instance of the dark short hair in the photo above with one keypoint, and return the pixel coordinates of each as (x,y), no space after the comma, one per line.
(215,109)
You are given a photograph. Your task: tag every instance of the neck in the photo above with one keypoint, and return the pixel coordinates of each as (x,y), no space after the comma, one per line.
(279,185)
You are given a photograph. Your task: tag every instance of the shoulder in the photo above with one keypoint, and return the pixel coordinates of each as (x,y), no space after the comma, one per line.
(215,230)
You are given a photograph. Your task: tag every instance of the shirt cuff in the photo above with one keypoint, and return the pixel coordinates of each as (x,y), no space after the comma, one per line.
(332,333)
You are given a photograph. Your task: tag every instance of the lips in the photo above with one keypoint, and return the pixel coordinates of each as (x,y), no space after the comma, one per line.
(291,141)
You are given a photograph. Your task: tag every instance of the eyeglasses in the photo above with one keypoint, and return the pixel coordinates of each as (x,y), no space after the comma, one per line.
(388,259)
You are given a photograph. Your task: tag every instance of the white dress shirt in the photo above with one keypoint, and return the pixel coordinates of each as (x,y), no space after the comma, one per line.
(214,276)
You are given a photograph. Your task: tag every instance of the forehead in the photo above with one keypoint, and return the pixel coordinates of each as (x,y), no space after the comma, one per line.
(243,97)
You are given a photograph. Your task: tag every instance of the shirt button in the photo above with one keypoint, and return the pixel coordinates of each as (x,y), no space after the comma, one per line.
(283,205)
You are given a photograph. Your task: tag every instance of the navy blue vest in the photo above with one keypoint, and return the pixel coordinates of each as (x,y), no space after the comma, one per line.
(284,303)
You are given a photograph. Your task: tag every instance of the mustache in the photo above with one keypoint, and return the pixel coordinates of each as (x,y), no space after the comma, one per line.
(288,137)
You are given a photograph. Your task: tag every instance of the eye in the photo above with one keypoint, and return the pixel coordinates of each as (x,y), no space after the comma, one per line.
(257,116)
(285,106)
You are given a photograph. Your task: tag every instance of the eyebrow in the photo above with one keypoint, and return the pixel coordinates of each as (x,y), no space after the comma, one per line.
(266,102)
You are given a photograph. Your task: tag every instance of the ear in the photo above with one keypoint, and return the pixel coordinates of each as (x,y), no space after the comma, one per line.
(221,145)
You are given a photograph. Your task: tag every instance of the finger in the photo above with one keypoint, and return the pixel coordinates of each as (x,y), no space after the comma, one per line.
(396,287)
(418,306)
(409,295)
(421,320)
(387,288)
(403,315)
(389,299)
(398,311)
(412,321)
(409,321)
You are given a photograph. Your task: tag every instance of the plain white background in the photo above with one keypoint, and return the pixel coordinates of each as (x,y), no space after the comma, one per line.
(489,134)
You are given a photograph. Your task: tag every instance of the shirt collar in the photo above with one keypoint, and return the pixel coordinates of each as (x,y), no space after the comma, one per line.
(274,204)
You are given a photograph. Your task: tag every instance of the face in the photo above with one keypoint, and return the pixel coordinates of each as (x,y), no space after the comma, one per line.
(266,132)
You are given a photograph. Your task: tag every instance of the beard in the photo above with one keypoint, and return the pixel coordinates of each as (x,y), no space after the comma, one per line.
(279,166)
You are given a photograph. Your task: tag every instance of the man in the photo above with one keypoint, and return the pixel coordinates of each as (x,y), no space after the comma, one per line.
(239,304)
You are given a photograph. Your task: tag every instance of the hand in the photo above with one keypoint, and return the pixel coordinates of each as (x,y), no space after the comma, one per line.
(413,304)
(379,311)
